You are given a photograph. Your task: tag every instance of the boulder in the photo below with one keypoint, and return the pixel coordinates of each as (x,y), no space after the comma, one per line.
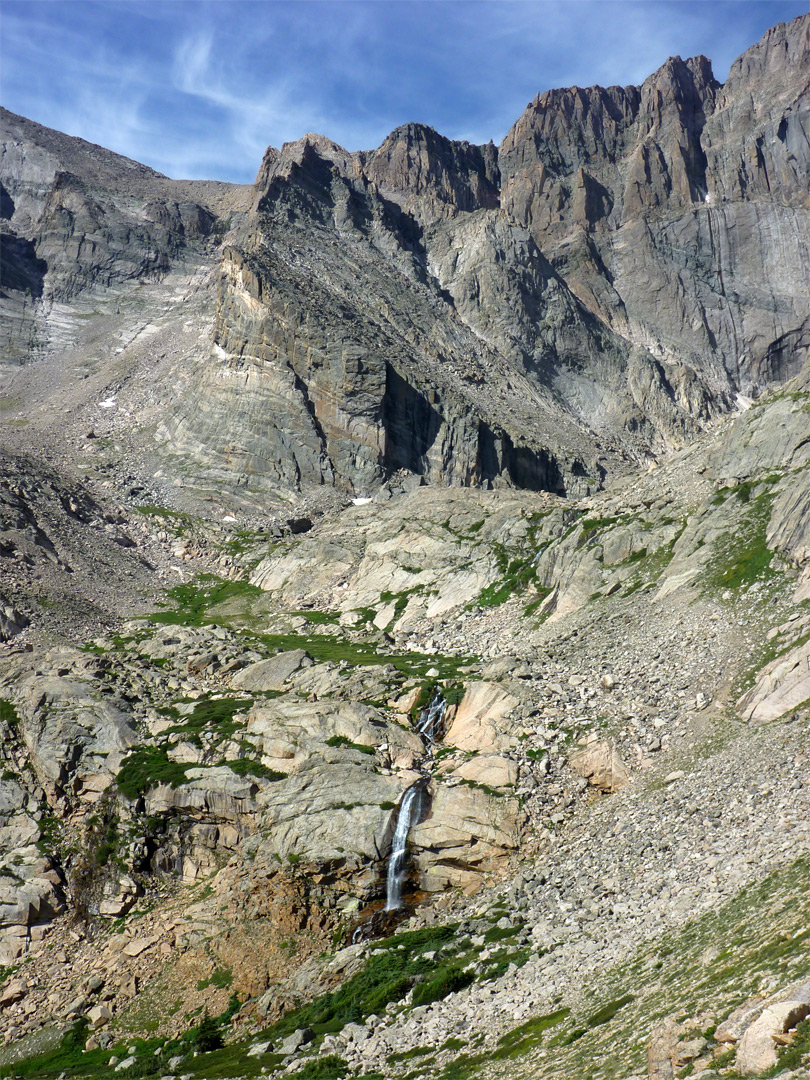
(119,896)
(259,1048)
(781,686)
(467,831)
(98,1016)
(300,1037)
(601,766)
(478,723)
(489,770)
(139,945)
(12,991)
(271,674)
(330,813)
(12,622)
(292,735)
(30,898)
(757,1050)
(76,739)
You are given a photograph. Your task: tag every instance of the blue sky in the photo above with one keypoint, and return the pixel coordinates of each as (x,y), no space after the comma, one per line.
(199,89)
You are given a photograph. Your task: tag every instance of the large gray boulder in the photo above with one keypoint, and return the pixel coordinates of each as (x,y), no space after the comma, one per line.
(76,738)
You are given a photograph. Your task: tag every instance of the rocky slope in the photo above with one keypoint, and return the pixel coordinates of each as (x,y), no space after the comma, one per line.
(281,467)
(224,774)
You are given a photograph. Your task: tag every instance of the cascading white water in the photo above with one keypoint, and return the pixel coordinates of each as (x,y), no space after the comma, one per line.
(408,811)
(431,717)
(429,725)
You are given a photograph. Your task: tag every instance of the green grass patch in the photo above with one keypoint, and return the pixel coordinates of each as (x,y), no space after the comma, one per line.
(501,933)
(400,599)
(453,1043)
(498,963)
(145,768)
(8,715)
(326,648)
(593,525)
(448,980)
(341,740)
(528,1035)
(635,556)
(174,521)
(607,1012)
(408,1055)
(743,557)
(387,977)
(329,1067)
(318,618)
(208,714)
(249,767)
(221,978)
(193,602)
(70,1059)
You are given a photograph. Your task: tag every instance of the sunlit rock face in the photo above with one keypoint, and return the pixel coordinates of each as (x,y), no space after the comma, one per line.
(598,288)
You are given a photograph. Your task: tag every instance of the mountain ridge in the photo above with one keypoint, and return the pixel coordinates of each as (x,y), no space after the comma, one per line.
(405,599)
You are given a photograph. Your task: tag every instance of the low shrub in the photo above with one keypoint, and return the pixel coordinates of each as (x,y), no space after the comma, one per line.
(249,767)
(445,981)
(329,1067)
(146,767)
(208,1036)
(341,740)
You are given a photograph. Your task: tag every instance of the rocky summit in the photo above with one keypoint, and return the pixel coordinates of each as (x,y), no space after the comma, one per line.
(405,598)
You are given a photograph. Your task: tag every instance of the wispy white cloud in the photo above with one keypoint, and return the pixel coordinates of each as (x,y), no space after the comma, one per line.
(201,88)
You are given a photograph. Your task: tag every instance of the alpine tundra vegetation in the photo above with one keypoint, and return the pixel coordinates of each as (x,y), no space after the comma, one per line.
(405,615)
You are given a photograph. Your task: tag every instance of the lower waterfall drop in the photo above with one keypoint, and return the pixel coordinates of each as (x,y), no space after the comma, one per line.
(409,810)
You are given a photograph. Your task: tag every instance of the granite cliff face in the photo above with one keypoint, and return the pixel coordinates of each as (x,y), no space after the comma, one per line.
(620,259)
(593,292)
(76,219)
(677,211)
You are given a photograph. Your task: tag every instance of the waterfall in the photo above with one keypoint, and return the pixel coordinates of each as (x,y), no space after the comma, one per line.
(430,725)
(431,717)
(408,811)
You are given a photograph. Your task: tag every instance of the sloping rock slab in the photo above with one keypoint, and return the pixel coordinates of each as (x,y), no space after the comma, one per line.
(783,685)
(271,674)
(479,722)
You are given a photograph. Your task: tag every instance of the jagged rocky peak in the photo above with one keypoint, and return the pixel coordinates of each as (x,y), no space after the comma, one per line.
(470,314)
(782,50)
(576,154)
(432,176)
(426,174)
(663,134)
(78,216)
(300,153)
(317,181)
(756,142)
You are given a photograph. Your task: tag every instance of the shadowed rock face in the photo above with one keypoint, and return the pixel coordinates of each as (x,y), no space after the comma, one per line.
(431,176)
(677,211)
(76,218)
